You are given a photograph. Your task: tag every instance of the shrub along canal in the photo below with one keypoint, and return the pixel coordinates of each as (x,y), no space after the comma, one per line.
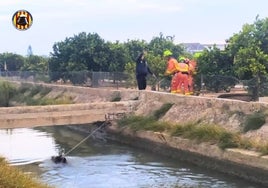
(99,162)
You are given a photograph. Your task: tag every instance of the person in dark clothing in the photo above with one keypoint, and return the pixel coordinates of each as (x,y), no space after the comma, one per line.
(59,159)
(142,69)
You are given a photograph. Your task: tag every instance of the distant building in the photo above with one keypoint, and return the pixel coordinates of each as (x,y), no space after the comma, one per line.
(197,47)
(219,46)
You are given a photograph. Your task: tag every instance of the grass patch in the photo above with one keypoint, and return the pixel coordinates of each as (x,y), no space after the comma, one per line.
(148,123)
(195,131)
(35,90)
(36,95)
(46,101)
(162,111)
(181,130)
(143,123)
(116,97)
(7,91)
(11,177)
(263,149)
(229,140)
(200,132)
(24,88)
(254,121)
(44,91)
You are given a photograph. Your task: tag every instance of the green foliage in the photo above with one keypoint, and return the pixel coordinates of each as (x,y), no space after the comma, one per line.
(32,95)
(264,149)
(228,140)
(161,43)
(119,55)
(35,90)
(215,70)
(130,70)
(181,130)
(13,62)
(143,123)
(249,49)
(80,52)
(205,133)
(40,77)
(157,64)
(245,57)
(24,87)
(89,52)
(162,111)
(78,77)
(7,91)
(35,63)
(195,131)
(254,121)
(215,62)
(44,91)
(217,83)
(50,101)
(116,97)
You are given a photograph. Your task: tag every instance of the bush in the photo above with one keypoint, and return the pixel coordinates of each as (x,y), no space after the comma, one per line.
(7,91)
(143,123)
(32,95)
(254,121)
(116,97)
(162,111)
(228,140)
(9,173)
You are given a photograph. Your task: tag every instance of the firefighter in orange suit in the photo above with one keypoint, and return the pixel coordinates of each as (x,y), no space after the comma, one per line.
(192,72)
(172,69)
(183,77)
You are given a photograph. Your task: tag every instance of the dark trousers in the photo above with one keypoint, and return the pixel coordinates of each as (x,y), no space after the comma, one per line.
(141,79)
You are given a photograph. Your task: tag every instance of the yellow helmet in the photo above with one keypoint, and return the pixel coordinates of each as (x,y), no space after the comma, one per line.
(167,53)
(197,55)
(182,59)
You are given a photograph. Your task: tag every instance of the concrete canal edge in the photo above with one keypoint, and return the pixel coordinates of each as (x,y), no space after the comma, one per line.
(245,164)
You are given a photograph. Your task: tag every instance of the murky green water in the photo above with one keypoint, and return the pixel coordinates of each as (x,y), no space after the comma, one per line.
(98,163)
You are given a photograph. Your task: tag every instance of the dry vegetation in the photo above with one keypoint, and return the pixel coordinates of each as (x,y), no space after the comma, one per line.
(11,177)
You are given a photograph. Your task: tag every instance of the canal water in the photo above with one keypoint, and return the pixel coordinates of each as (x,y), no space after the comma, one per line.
(100,163)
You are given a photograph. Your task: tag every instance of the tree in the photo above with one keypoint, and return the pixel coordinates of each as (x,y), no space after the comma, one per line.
(82,52)
(12,61)
(134,48)
(249,49)
(215,70)
(161,43)
(35,63)
(89,52)
(118,57)
(7,91)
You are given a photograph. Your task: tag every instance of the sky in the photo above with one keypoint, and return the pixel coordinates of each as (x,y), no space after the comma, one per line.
(201,21)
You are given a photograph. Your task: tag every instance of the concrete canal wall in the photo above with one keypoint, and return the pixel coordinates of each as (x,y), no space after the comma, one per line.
(69,114)
(229,114)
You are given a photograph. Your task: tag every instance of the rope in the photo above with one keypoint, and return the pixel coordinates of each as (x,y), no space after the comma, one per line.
(85,138)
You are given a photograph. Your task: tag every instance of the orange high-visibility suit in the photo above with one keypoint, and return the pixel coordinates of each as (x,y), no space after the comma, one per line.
(192,72)
(183,79)
(172,69)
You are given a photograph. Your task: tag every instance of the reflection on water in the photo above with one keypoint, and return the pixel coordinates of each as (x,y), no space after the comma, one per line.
(100,164)
(22,146)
